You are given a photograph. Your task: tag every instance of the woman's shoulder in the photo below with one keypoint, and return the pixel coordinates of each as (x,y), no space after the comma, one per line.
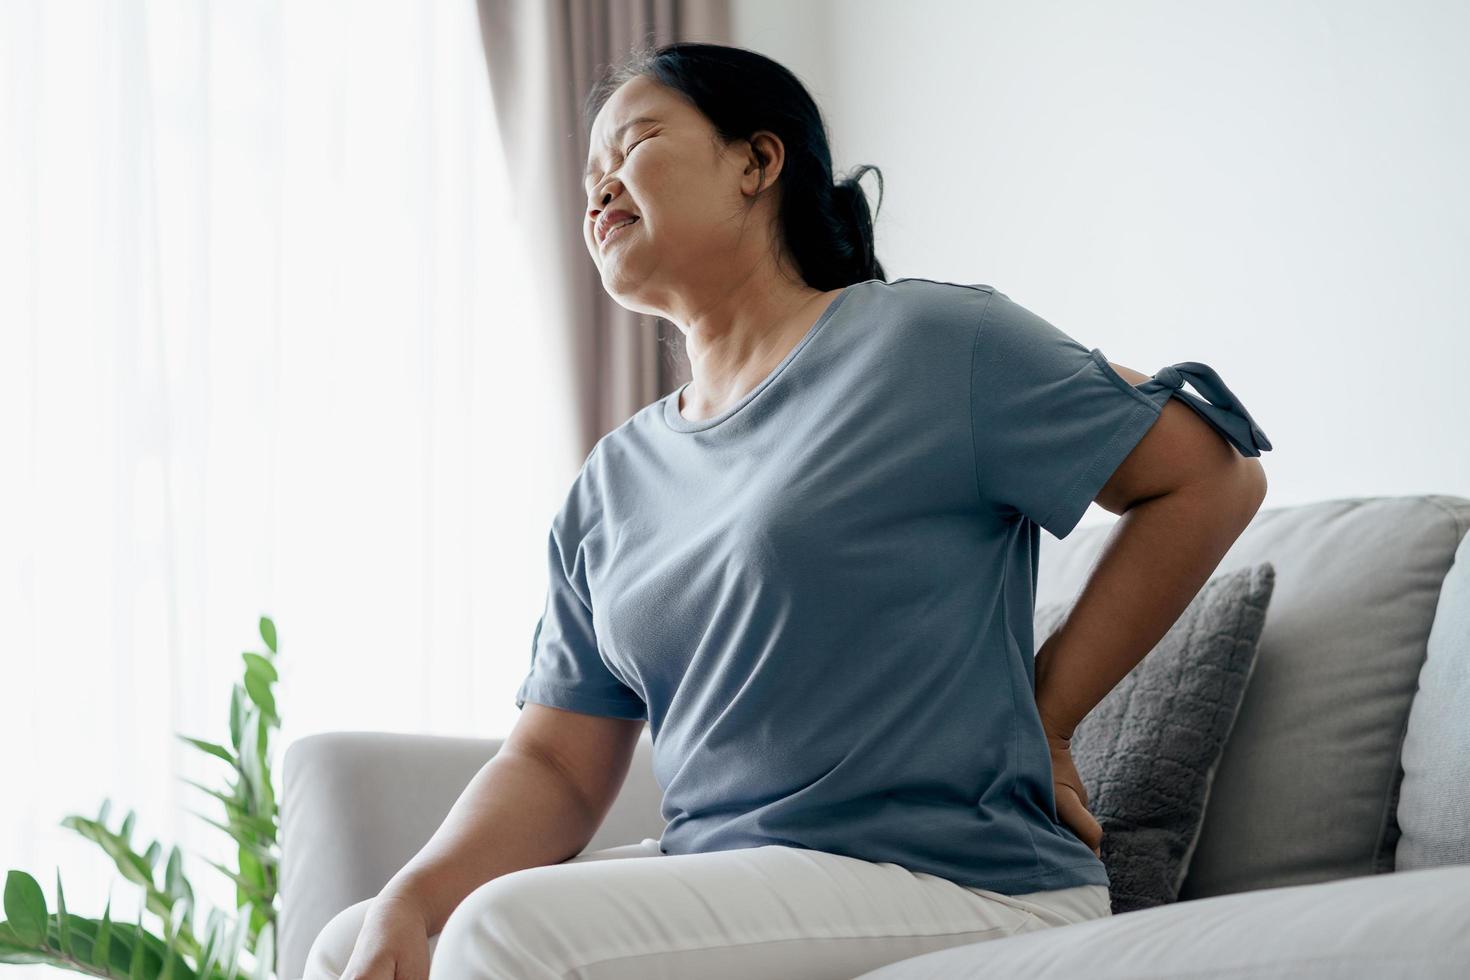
(941,286)
(938,298)
(933,312)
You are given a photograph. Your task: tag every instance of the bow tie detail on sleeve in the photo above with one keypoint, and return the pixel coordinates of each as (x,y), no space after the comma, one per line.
(1222,410)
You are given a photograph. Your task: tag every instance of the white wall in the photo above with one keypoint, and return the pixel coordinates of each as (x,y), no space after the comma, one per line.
(1275,189)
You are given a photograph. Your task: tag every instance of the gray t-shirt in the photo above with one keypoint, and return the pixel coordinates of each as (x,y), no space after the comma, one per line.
(822,599)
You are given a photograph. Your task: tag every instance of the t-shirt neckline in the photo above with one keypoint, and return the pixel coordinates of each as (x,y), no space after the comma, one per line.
(679,423)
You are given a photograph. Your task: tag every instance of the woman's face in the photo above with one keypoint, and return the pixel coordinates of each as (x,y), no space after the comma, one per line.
(655,156)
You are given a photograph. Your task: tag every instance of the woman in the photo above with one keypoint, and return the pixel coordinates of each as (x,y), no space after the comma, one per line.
(810,570)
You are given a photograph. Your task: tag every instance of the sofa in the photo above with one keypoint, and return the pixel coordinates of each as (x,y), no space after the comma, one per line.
(1336,836)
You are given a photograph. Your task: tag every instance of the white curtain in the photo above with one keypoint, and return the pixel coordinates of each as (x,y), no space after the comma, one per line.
(262,351)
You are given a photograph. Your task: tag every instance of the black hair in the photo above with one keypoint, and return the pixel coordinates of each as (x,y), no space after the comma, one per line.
(825,226)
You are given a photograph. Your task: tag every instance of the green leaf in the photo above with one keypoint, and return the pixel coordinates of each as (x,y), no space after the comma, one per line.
(237,715)
(232,803)
(210,747)
(189,906)
(173,870)
(103,812)
(136,969)
(213,938)
(179,918)
(258,918)
(102,948)
(180,894)
(125,832)
(63,935)
(132,865)
(151,855)
(265,953)
(259,690)
(250,868)
(236,813)
(173,875)
(250,762)
(256,664)
(223,955)
(236,944)
(268,799)
(133,942)
(12,951)
(81,936)
(170,957)
(25,908)
(268,632)
(241,836)
(253,890)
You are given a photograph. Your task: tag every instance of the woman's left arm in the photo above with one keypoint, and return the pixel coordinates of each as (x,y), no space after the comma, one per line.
(1185,494)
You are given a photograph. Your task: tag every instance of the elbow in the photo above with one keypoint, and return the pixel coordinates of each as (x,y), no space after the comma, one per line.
(1247,488)
(1254,476)
(1233,493)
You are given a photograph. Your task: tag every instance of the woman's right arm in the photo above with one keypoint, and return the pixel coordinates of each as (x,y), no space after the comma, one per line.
(539,800)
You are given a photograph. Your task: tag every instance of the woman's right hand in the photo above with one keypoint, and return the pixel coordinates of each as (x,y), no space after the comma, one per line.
(393,943)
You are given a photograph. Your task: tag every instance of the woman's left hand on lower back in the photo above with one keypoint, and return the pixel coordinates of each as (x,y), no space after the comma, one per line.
(1071,795)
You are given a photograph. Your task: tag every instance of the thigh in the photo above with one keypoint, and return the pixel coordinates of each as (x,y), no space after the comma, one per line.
(1060,906)
(783,911)
(333,946)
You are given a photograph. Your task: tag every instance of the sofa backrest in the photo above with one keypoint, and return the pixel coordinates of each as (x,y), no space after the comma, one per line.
(1307,788)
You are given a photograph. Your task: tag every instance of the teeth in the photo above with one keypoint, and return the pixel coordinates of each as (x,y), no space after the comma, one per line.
(620,224)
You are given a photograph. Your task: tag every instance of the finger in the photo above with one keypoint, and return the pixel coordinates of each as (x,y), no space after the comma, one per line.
(1068,809)
(1073,781)
(1077,817)
(1092,835)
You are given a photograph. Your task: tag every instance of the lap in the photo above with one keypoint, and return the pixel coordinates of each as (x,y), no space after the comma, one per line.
(789,911)
(333,945)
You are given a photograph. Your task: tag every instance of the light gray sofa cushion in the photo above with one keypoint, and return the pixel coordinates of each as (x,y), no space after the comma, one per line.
(1434,803)
(1307,788)
(1410,925)
(1147,752)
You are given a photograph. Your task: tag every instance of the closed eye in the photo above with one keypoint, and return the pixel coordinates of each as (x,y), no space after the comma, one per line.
(630,147)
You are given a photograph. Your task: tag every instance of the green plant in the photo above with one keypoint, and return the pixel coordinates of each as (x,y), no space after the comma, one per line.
(31,933)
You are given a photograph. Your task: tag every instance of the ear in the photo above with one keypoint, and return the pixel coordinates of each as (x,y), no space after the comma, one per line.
(765,148)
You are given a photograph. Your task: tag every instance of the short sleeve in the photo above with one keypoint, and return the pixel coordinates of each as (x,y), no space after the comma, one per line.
(567,668)
(1052,421)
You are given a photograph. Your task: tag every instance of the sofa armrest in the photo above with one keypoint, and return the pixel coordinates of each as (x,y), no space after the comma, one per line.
(356,806)
(1400,924)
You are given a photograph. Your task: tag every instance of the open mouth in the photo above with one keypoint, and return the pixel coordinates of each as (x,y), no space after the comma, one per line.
(617,230)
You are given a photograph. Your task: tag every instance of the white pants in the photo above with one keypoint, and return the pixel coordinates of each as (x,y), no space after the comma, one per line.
(772,911)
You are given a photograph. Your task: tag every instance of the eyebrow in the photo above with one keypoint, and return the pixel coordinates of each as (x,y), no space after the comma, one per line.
(617,136)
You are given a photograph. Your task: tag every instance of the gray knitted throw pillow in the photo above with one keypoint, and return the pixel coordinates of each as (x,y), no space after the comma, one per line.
(1147,753)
